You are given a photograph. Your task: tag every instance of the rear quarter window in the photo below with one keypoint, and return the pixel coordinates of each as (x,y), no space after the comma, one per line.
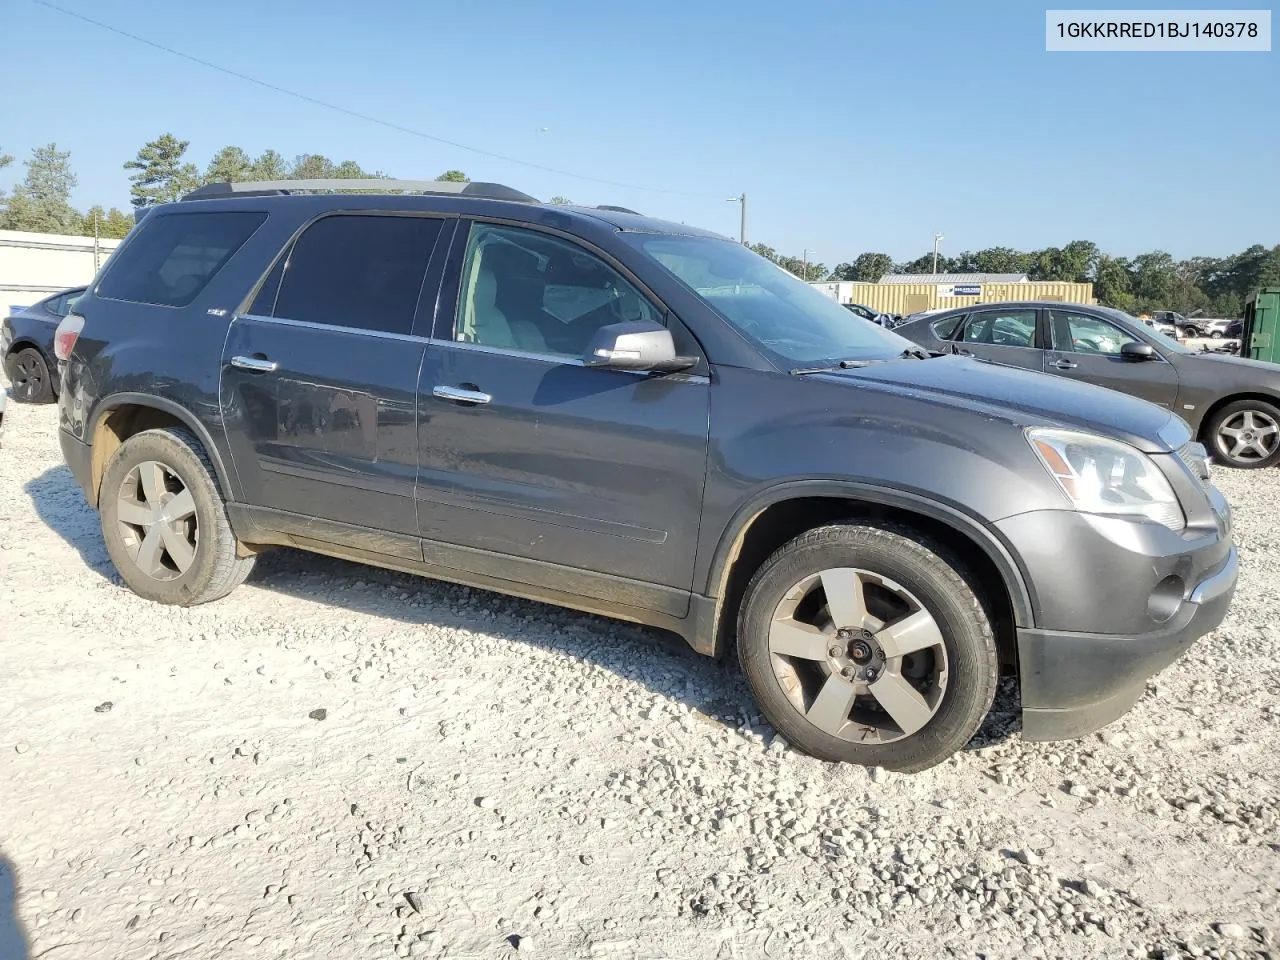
(945,328)
(174,256)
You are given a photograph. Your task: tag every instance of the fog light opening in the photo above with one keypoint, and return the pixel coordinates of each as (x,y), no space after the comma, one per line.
(1166,598)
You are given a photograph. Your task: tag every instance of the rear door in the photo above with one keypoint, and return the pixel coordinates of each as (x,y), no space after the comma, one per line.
(319,380)
(1087,348)
(1008,335)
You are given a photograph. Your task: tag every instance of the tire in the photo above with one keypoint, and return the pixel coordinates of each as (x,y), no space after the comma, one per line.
(150,554)
(1255,423)
(791,690)
(1188,333)
(1215,334)
(29,375)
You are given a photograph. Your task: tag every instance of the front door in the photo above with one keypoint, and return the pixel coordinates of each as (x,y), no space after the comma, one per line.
(1005,335)
(319,380)
(558,470)
(1087,348)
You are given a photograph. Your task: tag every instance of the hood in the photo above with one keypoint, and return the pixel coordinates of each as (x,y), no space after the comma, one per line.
(1241,363)
(1025,397)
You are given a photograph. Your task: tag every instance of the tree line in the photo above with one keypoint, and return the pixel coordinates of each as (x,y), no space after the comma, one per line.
(1198,286)
(161,172)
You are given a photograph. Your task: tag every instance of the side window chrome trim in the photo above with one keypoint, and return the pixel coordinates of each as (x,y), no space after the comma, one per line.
(312,325)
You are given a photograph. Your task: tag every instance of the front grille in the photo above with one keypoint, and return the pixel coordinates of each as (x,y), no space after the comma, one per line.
(1196,459)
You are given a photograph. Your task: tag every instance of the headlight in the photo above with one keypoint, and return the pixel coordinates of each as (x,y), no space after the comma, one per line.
(1105,476)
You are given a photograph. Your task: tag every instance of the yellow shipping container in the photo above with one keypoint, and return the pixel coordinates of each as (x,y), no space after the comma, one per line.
(907,298)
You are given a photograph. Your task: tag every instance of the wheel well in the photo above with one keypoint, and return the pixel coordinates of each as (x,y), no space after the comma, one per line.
(118,426)
(783,521)
(1203,433)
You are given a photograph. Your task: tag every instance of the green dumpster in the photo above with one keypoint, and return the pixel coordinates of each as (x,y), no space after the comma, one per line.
(1260,338)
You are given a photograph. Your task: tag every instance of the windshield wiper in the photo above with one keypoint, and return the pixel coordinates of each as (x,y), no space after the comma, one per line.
(911,353)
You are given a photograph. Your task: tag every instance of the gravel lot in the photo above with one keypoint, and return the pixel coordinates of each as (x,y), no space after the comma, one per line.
(337,761)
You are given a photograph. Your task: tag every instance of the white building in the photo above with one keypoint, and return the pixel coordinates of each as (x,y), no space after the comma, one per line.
(34,265)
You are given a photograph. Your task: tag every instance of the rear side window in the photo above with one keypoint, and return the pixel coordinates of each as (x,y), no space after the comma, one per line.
(174,257)
(357,271)
(946,327)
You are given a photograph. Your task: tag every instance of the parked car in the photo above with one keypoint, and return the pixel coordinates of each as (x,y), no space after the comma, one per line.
(1231,404)
(26,343)
(1160,326)
(643,420)
(1183,326)
(1217,329)
(888,320)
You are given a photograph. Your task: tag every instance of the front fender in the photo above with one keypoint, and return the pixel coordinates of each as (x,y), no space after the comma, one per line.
(986,538)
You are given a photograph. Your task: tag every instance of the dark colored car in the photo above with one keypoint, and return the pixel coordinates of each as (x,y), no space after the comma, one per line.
(875,316)
(26,344)
(1231,404)
(643,420)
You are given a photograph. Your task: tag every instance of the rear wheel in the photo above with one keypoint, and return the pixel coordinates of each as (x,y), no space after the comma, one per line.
(1215,334)
(1246,434)
(29,375)
(866,644)
(165,523)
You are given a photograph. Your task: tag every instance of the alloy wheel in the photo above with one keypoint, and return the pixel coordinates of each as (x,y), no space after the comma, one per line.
(1248,436)
(28,376)
(858,655)
(157,517)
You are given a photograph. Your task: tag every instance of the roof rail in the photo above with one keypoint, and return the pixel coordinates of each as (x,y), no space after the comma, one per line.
(259,188)
(618,209)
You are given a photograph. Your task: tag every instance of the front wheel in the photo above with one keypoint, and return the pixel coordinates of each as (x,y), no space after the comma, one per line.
(863,643)
(165,523)
(1246,434)
(1215,334)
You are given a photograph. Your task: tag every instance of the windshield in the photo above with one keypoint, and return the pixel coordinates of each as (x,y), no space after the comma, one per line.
(790,320)
(1164,339)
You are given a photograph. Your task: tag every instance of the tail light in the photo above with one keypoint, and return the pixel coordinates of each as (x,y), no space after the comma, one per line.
(65,337)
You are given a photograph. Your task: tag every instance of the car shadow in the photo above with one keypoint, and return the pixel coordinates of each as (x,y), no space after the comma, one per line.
(59,503)
(659,660)
(13,939)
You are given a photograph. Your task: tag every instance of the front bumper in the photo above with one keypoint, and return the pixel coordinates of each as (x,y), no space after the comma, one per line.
(1076,683)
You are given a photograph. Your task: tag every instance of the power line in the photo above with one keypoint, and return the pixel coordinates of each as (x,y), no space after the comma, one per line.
(357,114)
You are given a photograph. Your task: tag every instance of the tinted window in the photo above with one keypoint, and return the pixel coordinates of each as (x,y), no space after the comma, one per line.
(523,290)
(364,272)
(264,302)
(946,327)
(1002,328)
(173,257)
(1085,334)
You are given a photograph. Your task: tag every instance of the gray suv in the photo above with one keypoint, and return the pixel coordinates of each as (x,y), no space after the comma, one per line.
(597,409)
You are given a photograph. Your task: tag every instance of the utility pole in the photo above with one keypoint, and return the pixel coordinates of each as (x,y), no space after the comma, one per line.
(804,256)
(937,238)
(742,223)
(97,258)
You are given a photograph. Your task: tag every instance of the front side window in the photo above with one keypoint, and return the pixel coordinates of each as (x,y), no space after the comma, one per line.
(174,256)
(524,290)
(1082,333)
(364,272)
(789,320)
(1002,328)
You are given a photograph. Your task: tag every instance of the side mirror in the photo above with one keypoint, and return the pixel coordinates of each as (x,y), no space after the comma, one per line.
(1137,351)
(635,345)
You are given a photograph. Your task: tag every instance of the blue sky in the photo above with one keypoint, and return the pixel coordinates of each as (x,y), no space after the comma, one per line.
(851,125)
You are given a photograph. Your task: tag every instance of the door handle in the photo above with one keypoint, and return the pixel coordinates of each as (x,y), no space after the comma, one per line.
(256,364)
(1063,364)
(459,395)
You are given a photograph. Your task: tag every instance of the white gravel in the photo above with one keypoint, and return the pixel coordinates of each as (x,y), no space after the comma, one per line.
(338,761)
